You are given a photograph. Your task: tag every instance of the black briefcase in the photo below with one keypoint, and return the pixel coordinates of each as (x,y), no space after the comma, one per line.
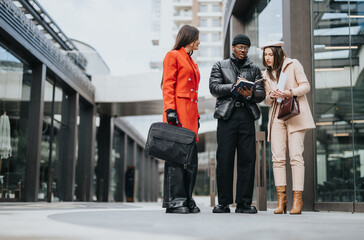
(170,143)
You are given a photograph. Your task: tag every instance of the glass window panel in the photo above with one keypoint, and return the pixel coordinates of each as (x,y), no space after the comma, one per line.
(358,103)
(216,8)
(215,23)
(50,174)
(203,37)
(15,85)
(332,54)
(203,8)
(203,22)
(333,104)
(215,37)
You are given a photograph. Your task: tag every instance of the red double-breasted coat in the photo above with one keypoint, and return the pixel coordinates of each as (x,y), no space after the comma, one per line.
(181,78)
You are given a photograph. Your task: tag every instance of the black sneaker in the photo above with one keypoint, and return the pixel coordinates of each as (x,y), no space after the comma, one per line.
(221,209)
(195,209)
(181,210)
(245,208)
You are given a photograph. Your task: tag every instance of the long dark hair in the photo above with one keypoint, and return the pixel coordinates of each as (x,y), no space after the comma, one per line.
(279,56)
(186,35)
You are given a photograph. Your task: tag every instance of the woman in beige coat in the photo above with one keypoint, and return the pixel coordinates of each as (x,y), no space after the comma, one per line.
(280,67)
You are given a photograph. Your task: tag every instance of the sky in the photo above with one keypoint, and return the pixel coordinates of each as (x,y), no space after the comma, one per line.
(118,29)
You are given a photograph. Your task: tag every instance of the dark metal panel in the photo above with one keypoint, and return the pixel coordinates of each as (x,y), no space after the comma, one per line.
(86,150)
(334,206)
(152,180)
(70,109)
(339,40)
(336,63)
(104,144)
(139,159)
(35,134)
(156,180)
(147,177)
(123,166)
(359,207)
(339,7)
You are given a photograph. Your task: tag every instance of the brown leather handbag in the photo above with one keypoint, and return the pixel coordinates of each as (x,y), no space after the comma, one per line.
(289,108)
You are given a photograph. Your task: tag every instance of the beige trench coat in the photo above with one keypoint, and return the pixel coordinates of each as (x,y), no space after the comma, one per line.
(297,81)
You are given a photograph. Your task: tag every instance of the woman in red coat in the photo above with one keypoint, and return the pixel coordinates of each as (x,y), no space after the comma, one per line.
(180,96)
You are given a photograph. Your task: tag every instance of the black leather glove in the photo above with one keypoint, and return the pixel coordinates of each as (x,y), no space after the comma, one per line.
(172,116)
(198,123)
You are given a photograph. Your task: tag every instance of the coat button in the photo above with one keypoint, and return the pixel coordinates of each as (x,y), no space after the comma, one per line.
(196,90)
(196,101)
(191,90)
(189,79)
(191,100)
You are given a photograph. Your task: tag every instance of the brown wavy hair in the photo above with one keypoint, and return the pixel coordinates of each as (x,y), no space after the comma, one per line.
(186,35)
(279,56)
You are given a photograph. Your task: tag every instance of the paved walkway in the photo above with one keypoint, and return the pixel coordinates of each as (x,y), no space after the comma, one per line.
(74,220)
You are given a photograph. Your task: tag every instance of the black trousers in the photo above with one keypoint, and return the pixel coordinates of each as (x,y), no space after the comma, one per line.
(238,132)
(179,182)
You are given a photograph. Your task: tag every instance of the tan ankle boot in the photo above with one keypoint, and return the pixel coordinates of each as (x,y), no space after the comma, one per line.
(297,203)
(282,200)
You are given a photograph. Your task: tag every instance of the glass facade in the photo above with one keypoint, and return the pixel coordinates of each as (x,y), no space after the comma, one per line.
(52,126)
(338,30)
(40,158)
(15,85)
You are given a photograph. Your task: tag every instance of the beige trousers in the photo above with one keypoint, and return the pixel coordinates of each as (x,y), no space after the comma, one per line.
(279,137)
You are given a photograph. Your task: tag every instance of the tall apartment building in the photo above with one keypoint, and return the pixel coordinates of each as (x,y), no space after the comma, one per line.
(167,18)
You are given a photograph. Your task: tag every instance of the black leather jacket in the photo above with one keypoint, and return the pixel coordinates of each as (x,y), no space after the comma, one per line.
(223,76)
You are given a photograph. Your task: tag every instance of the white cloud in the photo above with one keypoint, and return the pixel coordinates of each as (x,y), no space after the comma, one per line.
(117,29)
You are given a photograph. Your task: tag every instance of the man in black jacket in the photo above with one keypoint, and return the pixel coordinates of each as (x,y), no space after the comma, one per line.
(236,129)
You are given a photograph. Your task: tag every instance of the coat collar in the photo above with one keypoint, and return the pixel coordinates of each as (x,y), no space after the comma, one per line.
(286,62)
(241,63)
(183,51)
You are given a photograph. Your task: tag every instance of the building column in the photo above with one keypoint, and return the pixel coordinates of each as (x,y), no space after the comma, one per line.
(155,180)
(147,179)
(86,152)
(123,165)
(140,173)
(35,134)
(150,179)
(136,172)
(297,38)
(67,164)
(103,169)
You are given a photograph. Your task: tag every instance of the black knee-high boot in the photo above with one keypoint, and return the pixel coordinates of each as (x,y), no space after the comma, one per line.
(179,182)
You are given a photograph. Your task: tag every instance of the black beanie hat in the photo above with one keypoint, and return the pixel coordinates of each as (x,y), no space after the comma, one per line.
(241,39)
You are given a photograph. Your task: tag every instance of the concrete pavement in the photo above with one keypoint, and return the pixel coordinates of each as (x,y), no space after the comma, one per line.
(75,220)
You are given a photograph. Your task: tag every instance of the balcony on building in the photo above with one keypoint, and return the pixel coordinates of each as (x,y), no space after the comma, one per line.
(182,3)
(209,1)
(210,29)
(209,14)
(182,16)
